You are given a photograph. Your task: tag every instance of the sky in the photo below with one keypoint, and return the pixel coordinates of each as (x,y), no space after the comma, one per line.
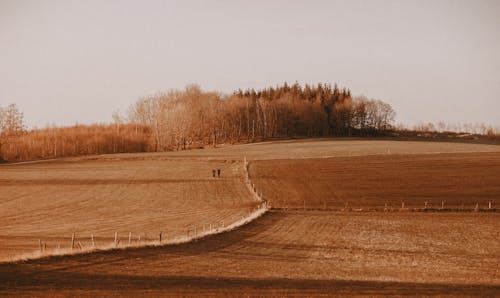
(70,61)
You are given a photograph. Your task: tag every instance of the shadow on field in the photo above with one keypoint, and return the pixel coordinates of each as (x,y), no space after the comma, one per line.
(85,274)
(16,283)
(211,243)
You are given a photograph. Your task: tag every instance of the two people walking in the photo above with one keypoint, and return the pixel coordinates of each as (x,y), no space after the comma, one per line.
(216,171)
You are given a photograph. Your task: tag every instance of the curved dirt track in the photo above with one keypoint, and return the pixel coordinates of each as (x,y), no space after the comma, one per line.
(51,201)
(305,253)
(283,253)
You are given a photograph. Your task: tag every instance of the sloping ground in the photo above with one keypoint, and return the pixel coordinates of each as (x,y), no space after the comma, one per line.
(51,201)
(311,148)
(459,179)
(307,253)
(283,253)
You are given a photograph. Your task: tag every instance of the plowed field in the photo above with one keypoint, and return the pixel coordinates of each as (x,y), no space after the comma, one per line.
(51,201)
(325,249)
(457,180)
(304,252)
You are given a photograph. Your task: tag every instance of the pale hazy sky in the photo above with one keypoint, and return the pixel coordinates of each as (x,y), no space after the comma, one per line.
(66,61)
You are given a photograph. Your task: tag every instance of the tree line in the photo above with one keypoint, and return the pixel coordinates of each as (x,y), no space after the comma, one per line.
(193,118)
(188,118)
(19,144)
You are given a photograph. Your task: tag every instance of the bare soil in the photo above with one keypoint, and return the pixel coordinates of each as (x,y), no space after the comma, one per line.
(51,201)
(460,180)
(290,253)
(284,253)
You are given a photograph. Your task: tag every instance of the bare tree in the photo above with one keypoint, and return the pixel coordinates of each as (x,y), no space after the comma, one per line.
(13,120)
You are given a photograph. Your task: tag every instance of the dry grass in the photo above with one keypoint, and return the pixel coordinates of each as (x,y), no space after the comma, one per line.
(283,253)
(94,247)
(50,201)
(310,148)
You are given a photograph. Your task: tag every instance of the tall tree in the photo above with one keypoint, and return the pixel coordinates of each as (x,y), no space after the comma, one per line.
(11,125)
(13,120)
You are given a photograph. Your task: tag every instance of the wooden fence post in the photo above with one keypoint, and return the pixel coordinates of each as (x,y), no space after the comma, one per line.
(160,237)
(489,205)
(92,240)
(116,239)
(72,241)
(129,237)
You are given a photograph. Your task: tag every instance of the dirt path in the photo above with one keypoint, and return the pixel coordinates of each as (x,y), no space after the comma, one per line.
(283,253)
(51,201)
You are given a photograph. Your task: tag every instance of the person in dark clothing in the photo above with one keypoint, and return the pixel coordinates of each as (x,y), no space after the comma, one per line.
(213,173)
(218,173)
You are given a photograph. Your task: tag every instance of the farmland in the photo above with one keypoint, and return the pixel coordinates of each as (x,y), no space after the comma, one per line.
(450,180)
(289,253)
(51,201)
(323,249)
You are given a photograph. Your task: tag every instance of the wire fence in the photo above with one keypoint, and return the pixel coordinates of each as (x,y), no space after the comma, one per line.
(390,207)
(80,244)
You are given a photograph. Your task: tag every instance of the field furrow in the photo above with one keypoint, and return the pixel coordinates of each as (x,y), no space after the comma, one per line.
(311,244)
(51,201)
(448,180)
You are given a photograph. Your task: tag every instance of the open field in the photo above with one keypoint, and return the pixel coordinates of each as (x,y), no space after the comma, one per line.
(50,201)
(282,253)
(459,179)
(308,148)
(291,253)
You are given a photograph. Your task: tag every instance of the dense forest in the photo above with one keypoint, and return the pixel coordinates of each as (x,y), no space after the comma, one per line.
(192,118)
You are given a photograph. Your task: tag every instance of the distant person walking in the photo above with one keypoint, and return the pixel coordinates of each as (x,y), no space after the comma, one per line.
(218,173)
(213,173)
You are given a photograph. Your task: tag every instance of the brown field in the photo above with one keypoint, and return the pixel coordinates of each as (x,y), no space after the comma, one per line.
(459,179)
(304,252)
(284,252)
(50,201)
(311,148)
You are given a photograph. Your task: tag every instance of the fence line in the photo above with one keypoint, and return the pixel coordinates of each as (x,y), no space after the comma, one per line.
(82,245)
(395,207)
(251,186)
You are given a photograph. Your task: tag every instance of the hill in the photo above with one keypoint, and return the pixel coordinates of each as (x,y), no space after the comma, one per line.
(286,252)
